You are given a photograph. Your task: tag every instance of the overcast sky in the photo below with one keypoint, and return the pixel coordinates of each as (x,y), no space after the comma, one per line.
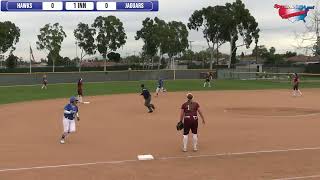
(275,31)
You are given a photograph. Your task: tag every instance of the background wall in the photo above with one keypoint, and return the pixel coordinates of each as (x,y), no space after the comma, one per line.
(36,78)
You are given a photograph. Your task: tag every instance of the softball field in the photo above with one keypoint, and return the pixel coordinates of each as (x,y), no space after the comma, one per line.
(255,134)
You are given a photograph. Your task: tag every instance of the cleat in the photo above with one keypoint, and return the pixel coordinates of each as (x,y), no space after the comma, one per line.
(62,141)
(184,150)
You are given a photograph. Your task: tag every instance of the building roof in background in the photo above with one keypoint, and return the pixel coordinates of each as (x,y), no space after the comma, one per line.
(303,58)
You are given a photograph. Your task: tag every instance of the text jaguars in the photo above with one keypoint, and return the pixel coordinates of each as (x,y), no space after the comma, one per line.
(134,5)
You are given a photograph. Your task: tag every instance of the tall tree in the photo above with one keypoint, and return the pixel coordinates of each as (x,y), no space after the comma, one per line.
(51,38)
(161,32)
(240,23)
(67,61)
(56,58)
(309,39)
(260,51)
(115,57)
(149,33)
(9,36)
(111,35)
(187,55)
(290,54)
(11,61)
(177,41)
(85,40)
(214,28)
(272,50)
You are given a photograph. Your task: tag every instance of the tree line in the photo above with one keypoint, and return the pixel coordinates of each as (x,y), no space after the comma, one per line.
(219,24)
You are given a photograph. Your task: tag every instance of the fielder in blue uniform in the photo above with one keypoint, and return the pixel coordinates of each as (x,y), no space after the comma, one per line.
(160,87)
(71,112)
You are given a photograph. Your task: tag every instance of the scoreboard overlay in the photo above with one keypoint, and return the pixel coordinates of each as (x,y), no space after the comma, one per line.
(76,6)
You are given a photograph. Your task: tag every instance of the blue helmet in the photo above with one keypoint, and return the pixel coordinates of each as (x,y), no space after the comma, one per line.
(73,99)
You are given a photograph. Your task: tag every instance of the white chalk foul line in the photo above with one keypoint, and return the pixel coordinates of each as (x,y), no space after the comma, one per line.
(240,153)
(293,116)
(299,177)
(67,165)
(161,158)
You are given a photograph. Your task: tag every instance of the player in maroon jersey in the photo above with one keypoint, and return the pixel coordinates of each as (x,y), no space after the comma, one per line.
(189,117)
(80,90)
(295,83)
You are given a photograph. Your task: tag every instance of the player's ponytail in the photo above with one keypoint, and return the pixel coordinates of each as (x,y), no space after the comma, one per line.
(189,97)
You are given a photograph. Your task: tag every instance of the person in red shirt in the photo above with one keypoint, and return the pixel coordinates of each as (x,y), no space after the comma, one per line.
(189,117)
(295,83)
(80,90)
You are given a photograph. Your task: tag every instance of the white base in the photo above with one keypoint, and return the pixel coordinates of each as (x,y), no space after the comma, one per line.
(145,157)
(86,102)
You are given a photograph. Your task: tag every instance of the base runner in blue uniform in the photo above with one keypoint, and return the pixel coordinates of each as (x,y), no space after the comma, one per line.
(147,98)
(160,87)
(71,112)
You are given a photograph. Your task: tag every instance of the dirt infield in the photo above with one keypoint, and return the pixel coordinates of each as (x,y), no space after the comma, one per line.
(248,135)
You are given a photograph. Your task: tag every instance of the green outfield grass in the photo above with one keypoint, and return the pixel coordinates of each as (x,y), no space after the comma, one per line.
(29,93)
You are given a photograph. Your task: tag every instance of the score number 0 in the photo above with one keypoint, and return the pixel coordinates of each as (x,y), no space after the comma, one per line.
(106,6)
(52,6)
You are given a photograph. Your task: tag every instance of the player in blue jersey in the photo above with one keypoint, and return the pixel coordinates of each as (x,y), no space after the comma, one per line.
(160,87)
(71,112)
(147,98)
